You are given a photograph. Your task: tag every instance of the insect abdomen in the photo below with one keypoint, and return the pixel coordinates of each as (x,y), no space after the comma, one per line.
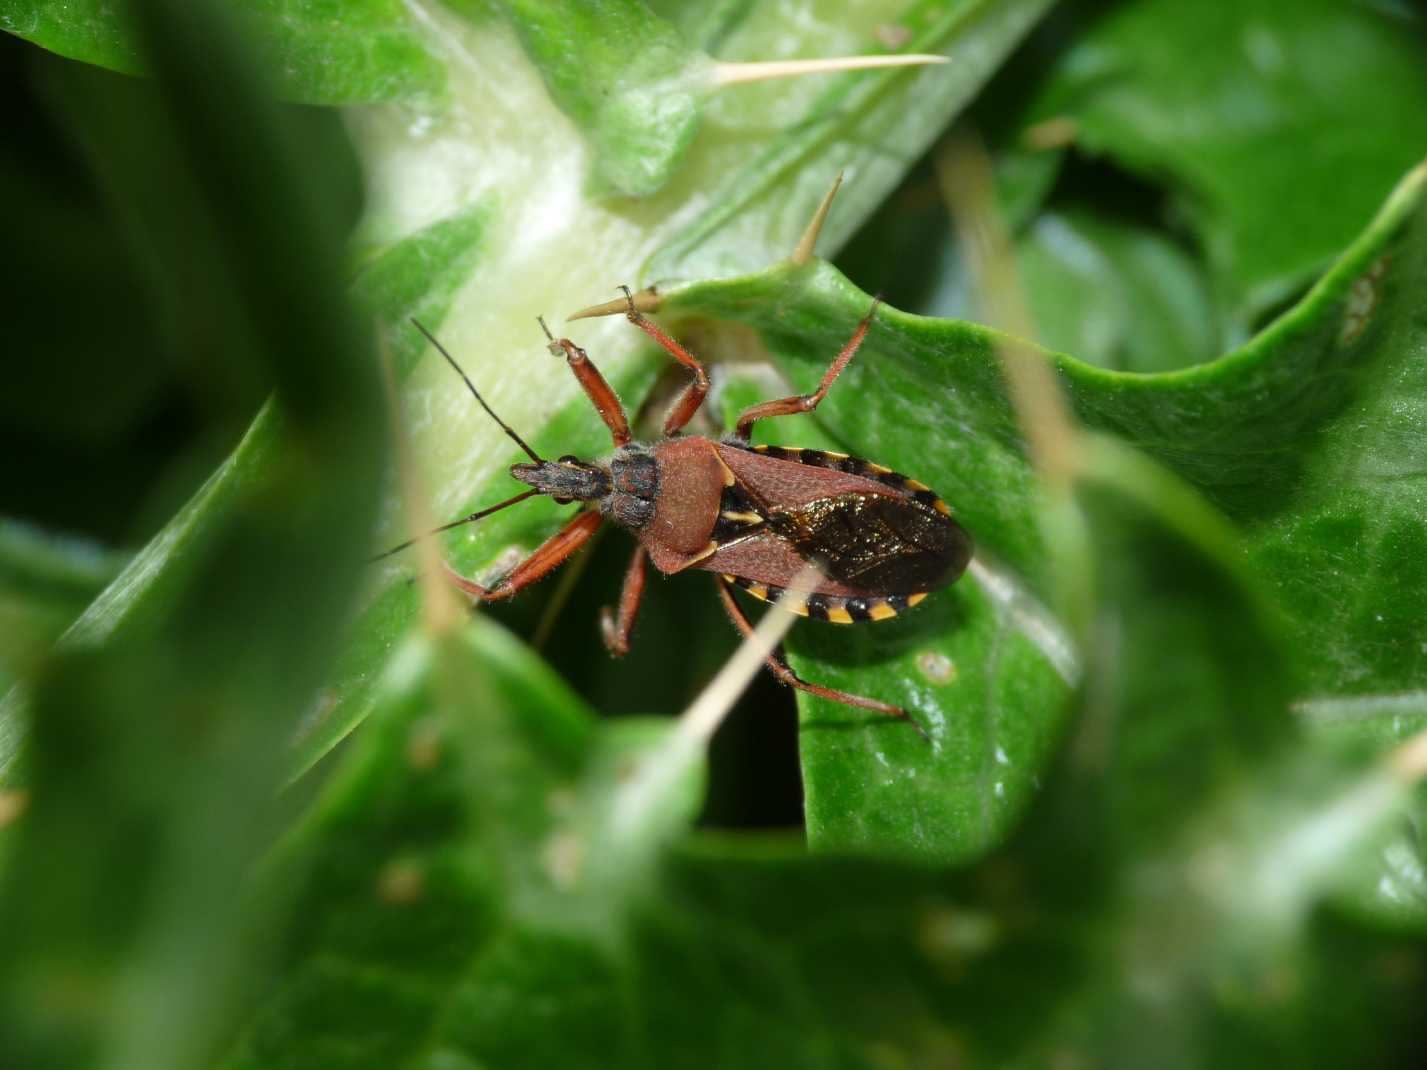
(882,541)
(878,544)
(838,609)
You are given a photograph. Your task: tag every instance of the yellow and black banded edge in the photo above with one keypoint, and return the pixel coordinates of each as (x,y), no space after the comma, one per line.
(857,466)
(832,607)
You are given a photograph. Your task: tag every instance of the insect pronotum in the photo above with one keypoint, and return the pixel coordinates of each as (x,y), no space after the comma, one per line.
(753,516)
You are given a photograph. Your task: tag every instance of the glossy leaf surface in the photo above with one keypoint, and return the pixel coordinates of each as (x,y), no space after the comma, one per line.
(1245,428)
(1252,116)
(265,805)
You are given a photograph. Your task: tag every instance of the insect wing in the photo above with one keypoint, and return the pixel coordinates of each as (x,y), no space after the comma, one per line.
(872,531)
(876,543)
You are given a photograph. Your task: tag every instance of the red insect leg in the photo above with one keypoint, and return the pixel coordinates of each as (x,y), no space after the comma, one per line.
(693,395)
(548,556)
(784,673)
(604,399)
(807,402)
(616,629)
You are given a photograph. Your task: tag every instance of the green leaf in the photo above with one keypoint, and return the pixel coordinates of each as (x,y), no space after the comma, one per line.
(1253,116)
(986,671)
(986,645)
(1162,890)
(491,877)
(1388,888)
(638,92)
(166,741)
(432,900)
(1099,283)
(706,26)
(365,51)
(91,33)
(46,581)
(871,126)
(627,80)
(1115,294)
(1346,549)
(440,936)
(463,454)
(1190,690)
(391,610)
(983,667)
(583,250)
(1246,428)
(415,278)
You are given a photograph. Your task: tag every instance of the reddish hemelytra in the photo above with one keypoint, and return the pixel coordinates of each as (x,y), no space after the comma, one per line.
(754,516)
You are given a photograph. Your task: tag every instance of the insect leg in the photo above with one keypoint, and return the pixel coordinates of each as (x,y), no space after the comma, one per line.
(693,396)
(616,629)
(807,402)
(601,395)
(548,556)
(783,672)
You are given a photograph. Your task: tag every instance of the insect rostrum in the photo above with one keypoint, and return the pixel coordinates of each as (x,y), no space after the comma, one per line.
(754,516)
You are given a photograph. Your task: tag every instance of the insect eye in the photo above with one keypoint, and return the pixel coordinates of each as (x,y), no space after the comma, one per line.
(569,458)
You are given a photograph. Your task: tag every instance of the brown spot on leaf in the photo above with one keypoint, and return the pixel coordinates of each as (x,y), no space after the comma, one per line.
(1362,301)
(938,668)
(401,883)
(423,745)
(12,805)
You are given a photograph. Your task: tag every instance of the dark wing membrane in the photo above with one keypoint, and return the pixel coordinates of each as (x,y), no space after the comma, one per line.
(877,543)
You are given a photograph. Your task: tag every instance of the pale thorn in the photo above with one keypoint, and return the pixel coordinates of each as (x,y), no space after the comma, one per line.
(646,790)
(804,251)
(727,74)
(698,723)
(646,300)
(969,187)
(1057,133)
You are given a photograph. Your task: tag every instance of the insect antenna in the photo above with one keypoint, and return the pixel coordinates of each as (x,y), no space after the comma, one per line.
(504,427)
(477,394)
(457,523)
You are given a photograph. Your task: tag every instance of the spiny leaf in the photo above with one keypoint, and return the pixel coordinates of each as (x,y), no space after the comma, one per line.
(491,328)
(872,126)
(1245,428)
(625,77)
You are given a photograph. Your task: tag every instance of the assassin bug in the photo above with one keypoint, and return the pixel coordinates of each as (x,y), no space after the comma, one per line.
(754,516)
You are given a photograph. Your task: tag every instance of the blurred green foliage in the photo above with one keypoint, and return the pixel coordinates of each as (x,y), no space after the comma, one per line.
(256,811)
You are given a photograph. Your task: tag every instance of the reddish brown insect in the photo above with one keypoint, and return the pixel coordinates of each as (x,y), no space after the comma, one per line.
(754,516)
